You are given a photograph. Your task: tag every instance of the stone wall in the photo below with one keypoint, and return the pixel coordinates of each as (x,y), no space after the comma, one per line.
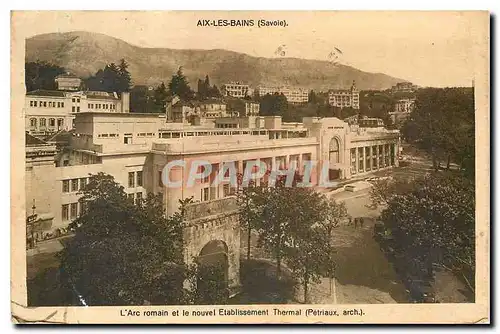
(214,220)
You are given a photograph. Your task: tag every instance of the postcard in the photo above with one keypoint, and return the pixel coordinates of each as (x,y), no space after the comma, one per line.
(246,167)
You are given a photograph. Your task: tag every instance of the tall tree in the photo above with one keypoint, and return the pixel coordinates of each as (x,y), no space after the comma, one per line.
(179,86)
(124,253)
(125,77)
(160,96)
(273,105)
(442,124)
(429,228)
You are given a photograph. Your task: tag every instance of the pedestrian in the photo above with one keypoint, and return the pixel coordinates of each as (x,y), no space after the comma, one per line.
(355,222)
(350,221)
(361,221)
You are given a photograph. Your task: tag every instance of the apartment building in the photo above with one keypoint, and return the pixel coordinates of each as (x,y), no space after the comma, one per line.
(236,89)
(50,111)
(344,98)
(293,95)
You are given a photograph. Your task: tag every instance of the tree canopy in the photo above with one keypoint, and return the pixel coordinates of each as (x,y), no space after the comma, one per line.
(112,78)
(124,253)
(179,86)
(273,105)
(433,221)
(442,124)
(41,75)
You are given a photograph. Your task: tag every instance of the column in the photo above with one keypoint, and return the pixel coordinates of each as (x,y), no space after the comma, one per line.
(378,156)
(364,159)
(383,154)
(357,160)
(273,163)
(257,180)
(300,168)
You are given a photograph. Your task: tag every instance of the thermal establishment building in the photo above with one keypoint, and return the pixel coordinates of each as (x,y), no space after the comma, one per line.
(134,148)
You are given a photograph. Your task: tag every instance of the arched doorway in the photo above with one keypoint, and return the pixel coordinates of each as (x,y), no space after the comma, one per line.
(334,159)
(213,273)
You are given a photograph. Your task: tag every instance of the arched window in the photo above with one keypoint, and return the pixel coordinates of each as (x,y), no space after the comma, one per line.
(43,122)
(334,156)
(33,122)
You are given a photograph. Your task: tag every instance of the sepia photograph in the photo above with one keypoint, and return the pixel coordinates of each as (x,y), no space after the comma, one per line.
(250,167)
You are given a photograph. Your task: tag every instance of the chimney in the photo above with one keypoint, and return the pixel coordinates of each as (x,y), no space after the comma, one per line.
(126,102)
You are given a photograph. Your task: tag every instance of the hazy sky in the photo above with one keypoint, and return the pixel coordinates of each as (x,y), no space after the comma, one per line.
(427,48)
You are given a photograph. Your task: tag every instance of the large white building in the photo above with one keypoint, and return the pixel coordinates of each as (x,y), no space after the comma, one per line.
(293,95)
(402,110)
(135,148)
(236,89)
(404,87)
(68,82)
(49,111)
(344,98)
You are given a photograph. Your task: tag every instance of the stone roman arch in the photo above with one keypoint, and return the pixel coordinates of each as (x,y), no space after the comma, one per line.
(212,233)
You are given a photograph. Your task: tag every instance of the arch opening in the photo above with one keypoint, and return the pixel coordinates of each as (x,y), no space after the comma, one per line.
(334,159)
(213,272)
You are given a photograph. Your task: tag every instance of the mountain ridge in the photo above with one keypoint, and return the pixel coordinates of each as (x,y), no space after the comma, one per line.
(83,53)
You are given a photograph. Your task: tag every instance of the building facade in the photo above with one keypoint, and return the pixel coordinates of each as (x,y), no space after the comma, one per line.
(47,111)
(293,95)
(236,89)
(344,98)
(404,87)
(402,110)
(135,148)
(68,82)
(252,108)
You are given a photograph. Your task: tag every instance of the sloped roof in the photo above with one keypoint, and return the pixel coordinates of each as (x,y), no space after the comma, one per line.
(43,92)
(32,141)
(67,75)
(61,136)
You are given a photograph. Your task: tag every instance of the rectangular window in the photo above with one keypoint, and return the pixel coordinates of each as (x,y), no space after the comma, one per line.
(353,161)
(139,178)
(34,103)
(127,138)
(74,185)
(65,186)
(374,157)
(368,158)
(44,104)
(204,194)
(73,99)
(73,210)
(73,108)
(78,109)
(65,212)
(83,183)
(361,159)
(131,179)
(62,104)
(31,103)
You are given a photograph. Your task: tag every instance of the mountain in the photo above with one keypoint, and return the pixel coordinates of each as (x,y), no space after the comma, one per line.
(83,53)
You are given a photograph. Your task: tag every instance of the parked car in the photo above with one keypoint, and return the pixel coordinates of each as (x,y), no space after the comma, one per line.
(350,188)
